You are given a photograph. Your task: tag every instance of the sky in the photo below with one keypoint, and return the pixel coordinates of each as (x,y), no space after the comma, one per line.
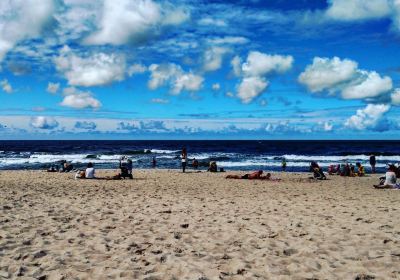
(193,69)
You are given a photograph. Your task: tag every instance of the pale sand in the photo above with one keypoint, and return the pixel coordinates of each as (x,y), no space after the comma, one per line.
(168,225)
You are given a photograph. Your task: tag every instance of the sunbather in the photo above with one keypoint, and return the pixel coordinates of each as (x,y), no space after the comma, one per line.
(257,175)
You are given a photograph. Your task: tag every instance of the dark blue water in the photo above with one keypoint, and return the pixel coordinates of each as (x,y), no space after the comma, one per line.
(232,155)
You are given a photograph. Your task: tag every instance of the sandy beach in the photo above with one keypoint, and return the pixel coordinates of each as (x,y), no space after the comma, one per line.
(169,225)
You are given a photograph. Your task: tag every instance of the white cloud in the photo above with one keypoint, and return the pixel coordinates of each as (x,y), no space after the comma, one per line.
(212,59)
(229,94)
(77,99)
(213,22)
(236,66)
(328,126)
(85,125)
(173,75)
(261,64)
(367,118)
(6,86)
(216,86)
(127,21)
(325,73)
(337,75)
(253,72)
(42,122)
(136,69)
(187,81)
(250,88)
(159,101)
(370,85)
(53,87)
(229,40)
(95,70)
(395,97)
(350,10)
(22,19)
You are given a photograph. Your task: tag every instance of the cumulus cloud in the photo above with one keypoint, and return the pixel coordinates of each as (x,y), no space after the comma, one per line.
(85,125)
(126,21)
(127,126)
(236,64)
(261,64)
(53,87)
(345,10)
(344,76)
(95,70)
(369,85)
(216,86)
(136,69)
(77,99)
(253,72)
(6,86)
(325,73)
(173,75)
(370,117)
(327,126)
(42,122)
(251,87)
(22,19)
(212,59)
(395,97)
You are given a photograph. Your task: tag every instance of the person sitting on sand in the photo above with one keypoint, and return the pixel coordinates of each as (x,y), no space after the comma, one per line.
(66,167)
(126,167)
(389,181)
(352,173)
(90,171)
(317,171)
(332,169)
(257,175)
(195,163)
(53,168)
(213,167)
(360,170)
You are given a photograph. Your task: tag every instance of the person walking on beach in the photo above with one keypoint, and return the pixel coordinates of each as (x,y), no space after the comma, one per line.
(184,159)
(372,162)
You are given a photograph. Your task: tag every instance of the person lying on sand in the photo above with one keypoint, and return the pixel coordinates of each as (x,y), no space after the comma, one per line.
(389,181)
(257,175)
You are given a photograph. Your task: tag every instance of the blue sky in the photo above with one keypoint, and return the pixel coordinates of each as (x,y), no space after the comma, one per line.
(146,69)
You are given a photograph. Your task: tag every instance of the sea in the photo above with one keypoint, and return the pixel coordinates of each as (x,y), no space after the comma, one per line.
(231,155)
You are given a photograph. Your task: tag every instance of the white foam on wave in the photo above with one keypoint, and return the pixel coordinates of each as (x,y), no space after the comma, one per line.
(158,151)
(248,163)
(51,158)
(338,159)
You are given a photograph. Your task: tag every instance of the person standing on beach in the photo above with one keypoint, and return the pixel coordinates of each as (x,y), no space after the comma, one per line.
(283,164)
(372,162)
(154,162)
(184,159)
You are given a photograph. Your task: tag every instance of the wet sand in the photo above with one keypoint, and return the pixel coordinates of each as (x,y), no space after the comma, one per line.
(169,225)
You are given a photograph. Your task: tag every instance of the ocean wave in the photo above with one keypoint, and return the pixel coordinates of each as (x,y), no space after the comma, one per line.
(249,163)
(337,159)
(158,151)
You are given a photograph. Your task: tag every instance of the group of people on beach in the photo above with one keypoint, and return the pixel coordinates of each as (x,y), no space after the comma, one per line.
(346,169)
